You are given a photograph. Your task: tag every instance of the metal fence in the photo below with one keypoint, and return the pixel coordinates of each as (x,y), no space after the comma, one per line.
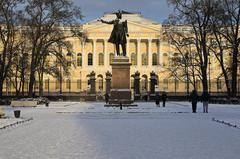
(80,87)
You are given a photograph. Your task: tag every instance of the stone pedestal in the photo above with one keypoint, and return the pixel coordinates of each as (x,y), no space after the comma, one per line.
(120,91)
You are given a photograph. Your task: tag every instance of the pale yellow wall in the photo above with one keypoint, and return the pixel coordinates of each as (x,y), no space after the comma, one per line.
(143,39)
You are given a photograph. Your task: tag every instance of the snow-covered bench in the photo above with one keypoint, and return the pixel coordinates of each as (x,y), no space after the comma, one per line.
(1,112)
(19,103)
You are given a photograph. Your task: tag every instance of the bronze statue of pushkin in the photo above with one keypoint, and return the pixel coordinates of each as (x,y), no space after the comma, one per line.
(119,33)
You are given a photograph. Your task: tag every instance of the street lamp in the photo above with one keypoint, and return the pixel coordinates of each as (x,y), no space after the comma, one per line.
(187,58)
(209,73)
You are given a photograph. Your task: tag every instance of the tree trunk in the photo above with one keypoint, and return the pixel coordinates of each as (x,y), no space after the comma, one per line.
(31,83)
(41,84)
(234,72)
(1,87)
(204,80)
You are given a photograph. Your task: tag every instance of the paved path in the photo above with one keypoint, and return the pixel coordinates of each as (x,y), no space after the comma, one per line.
(89,131)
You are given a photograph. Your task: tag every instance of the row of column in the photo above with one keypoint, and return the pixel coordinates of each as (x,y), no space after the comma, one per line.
(106,53)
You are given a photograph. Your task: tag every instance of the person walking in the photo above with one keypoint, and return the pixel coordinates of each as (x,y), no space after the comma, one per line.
(157,100)
(164,98)
(194,100)
(107,98)
(205,100)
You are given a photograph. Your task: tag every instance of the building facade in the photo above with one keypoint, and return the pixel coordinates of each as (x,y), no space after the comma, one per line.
(147,50)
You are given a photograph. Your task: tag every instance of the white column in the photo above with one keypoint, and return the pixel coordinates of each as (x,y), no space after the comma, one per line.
(127,49)
(106,63)
(149,52)
(160,55)
(95,58)
(84,55)
(139,56)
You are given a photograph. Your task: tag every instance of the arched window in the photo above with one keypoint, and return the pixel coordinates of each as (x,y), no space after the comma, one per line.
(100,82)
(165,84)
(219,84)
(79,59)
(57,84)
(144,59)
(165,59)
(111,56)
(69,59)
(68,84)
(176,81)
(90,59)
(144,82)
(101,59)
(154,59)
(79,84)
(134,59)
(46,84)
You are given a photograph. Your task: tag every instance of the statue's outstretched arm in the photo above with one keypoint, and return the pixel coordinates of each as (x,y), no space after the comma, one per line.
(106,22)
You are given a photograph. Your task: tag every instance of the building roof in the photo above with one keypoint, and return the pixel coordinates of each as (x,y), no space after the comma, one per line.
(136,17)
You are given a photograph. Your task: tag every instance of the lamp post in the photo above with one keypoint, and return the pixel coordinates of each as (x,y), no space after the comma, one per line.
(209,73)
(187,58)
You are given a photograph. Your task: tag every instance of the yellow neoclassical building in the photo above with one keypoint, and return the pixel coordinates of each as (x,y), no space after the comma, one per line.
(147,50)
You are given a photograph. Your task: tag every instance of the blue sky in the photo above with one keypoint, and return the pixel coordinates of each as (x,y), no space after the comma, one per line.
(157,10)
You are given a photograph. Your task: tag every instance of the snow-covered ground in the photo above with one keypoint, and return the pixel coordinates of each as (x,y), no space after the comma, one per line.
(79,130)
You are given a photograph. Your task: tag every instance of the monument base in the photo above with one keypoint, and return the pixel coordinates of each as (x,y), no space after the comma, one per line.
(137,97)
(118,96)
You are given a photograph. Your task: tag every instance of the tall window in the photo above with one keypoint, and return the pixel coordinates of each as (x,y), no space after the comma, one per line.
(46,84)
(144,59)
(144,82)
(79,84)
(68,84)
(69,58)
(101,59)
(198,83)
(79,59)
(165,59)
(154,59)
(219,84)
(90,59)
(134,59)
(176,84)
(165,84)
(36,85)
(111,56)
(100,82)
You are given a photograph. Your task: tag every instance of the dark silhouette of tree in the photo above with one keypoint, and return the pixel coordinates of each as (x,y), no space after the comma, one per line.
(49,23)
(9,20)
(197,14)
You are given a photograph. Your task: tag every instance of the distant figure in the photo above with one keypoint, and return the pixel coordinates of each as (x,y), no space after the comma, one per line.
(120,105)
(157,100)
(107,98)
(205,100)
(194,99)
(164,98)
(119,32)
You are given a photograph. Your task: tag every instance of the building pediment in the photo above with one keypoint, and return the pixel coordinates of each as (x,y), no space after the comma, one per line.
(132,27)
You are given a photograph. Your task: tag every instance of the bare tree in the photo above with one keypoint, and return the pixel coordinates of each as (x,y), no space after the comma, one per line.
(49,22)
(228,18)
(196,14)
(8,36)
(184,65)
